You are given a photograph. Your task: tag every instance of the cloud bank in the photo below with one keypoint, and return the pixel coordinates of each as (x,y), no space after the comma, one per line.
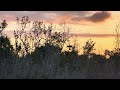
(76,16)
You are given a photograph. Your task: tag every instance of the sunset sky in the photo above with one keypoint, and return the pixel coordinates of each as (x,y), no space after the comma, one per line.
(98,25)
(94,22)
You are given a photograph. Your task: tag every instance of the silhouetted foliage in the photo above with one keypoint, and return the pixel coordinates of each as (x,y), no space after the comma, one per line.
(3,26)
(68,57)
(6,49)
(42,56)
(43,52)
(89,47)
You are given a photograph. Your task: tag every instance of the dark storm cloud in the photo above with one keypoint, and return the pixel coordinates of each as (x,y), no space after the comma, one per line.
(99,16)
(96,17)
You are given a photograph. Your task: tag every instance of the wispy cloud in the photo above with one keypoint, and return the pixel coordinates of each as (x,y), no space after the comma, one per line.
(91,35)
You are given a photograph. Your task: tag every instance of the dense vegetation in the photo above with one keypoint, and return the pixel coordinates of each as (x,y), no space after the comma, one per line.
(37,54)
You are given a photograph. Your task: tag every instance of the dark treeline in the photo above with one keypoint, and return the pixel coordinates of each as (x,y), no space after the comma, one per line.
(37,54)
